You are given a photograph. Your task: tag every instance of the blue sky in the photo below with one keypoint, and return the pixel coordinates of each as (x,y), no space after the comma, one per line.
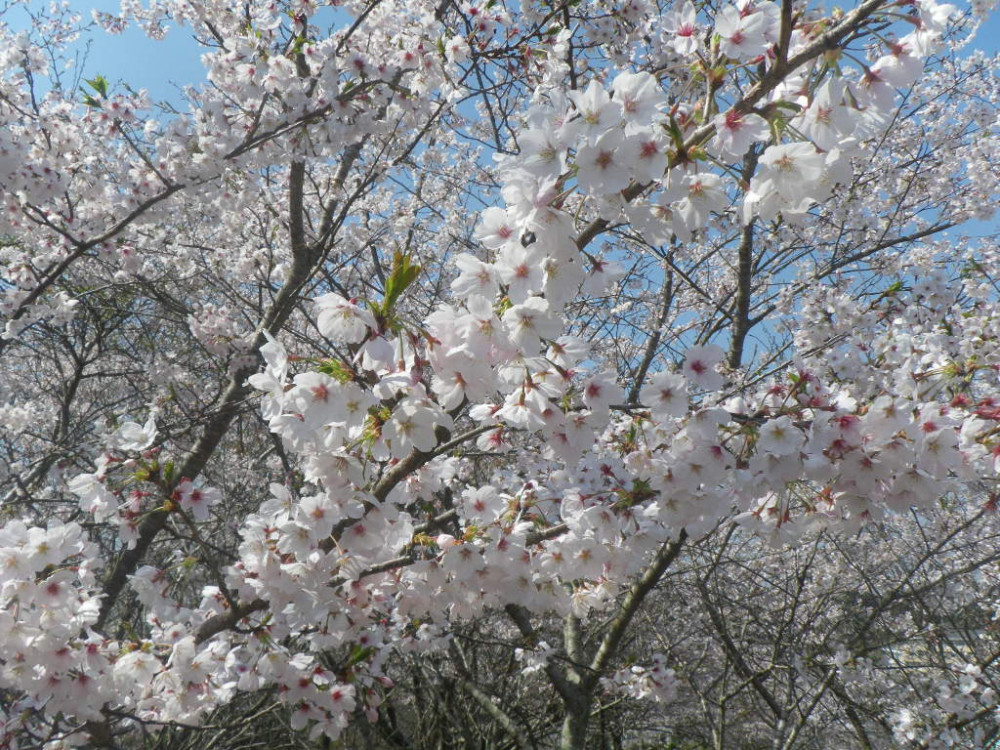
(164,67)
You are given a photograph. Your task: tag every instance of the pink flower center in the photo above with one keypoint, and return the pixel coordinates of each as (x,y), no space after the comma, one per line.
(734,120)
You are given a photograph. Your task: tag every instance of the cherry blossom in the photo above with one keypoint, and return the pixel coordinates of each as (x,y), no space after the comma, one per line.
(741,35)
(735,132)
(666,396)
(700,366)
(602,167)
(529,355)
(682,24)
(343,320)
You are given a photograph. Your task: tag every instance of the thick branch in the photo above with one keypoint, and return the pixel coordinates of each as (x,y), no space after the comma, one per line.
(654,339)
(736,657)
(499,716)
(630,607)
(236,393)
(741,304)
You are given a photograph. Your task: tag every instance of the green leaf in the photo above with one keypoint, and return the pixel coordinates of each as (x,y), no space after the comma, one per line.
(359,654)
(98,84)
(404,272)
(168,472)
(894,289)
(336,369)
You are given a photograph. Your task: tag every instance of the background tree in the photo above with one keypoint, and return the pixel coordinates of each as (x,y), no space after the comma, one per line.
(579,375)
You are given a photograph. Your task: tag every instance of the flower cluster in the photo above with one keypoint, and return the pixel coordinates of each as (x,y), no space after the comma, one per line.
(510,414)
